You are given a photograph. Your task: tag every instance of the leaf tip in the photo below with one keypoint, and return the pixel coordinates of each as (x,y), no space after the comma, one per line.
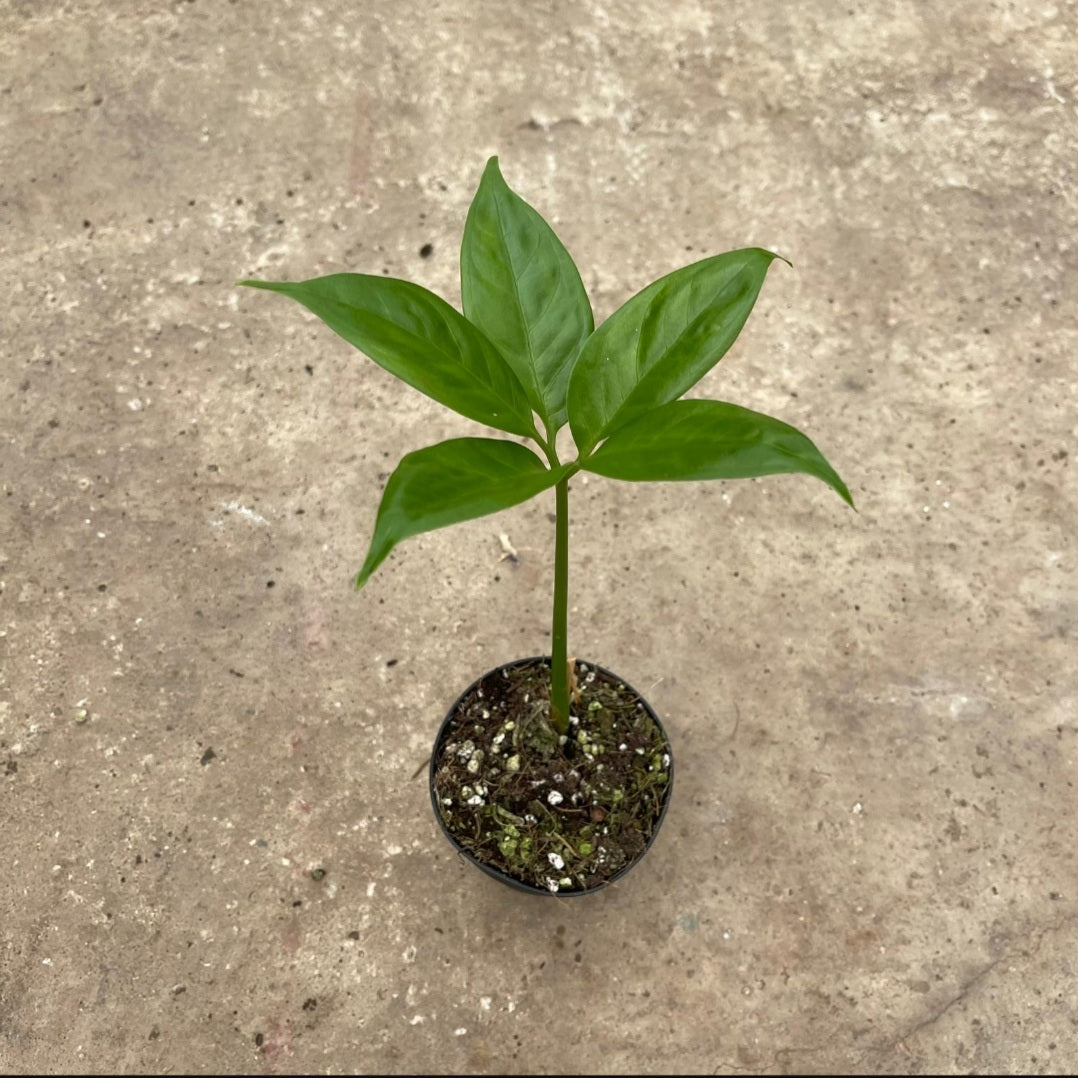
(366,570)
(843,492)
(781,258)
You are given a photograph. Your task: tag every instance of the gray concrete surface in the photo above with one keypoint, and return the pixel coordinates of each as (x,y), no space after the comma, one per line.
(869,865)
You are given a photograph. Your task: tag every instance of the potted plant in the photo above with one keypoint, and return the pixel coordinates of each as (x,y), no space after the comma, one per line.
(550,773)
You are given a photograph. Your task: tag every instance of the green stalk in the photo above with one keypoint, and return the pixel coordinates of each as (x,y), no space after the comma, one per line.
(559,632)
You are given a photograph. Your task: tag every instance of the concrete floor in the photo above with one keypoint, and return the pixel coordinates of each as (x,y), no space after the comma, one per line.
(870,862)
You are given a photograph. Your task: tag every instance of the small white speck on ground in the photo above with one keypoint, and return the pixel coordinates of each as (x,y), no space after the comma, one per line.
(247,514)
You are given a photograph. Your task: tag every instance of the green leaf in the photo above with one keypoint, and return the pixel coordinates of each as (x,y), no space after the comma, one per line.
(420,338)
(662,342)
(449,482)
(520,286)
(705,439)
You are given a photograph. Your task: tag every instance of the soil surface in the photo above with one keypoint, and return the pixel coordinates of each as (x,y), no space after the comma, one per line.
(557,814)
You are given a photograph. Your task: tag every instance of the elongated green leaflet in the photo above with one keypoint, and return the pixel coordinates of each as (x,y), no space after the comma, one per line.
(662,342)
(449,482)
(522,289)
(420,338)
(704,439)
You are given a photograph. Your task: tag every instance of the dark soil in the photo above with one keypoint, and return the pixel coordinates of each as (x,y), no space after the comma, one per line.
(559,815)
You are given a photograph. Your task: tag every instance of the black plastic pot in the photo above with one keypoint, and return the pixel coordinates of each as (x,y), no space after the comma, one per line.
(445,731)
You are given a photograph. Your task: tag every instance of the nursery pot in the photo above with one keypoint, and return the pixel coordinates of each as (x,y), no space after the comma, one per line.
(544,814)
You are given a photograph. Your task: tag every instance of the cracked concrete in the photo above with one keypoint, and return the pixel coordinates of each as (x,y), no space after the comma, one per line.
(218,856)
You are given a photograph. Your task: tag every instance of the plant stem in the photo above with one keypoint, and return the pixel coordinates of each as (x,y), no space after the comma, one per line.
(559,632)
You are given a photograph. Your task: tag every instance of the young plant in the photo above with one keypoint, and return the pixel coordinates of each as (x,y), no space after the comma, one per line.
(526,358)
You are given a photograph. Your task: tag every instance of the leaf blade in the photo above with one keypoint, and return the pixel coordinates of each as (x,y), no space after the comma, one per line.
(521,287)
(662,341)
(450,482)
(706,439)
(414,334)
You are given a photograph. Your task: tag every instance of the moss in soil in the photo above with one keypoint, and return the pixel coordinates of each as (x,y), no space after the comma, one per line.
(559,814)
